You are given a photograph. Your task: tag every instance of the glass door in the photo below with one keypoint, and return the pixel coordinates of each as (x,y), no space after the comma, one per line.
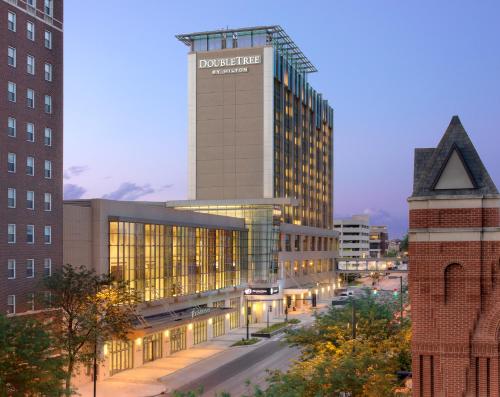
(177,339)
(152,349)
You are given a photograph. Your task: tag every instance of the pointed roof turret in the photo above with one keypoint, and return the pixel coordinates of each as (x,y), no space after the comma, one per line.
(452,168)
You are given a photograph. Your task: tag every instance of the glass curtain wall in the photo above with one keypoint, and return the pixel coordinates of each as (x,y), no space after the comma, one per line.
(303,146)
(262,222)
(161,261)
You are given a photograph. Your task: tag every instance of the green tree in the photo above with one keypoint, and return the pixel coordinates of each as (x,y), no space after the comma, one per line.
(332,362)
(403,247)
(28,365)
(94,309)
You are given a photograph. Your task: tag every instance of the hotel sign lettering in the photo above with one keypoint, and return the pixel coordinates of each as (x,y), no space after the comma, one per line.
(230,65)
(262,291)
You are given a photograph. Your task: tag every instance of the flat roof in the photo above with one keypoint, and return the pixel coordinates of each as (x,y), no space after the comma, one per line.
(279,39)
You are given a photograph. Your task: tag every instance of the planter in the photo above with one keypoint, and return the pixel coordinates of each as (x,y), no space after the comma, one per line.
(270,334)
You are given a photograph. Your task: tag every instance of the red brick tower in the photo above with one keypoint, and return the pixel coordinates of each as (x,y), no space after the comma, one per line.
(454,271)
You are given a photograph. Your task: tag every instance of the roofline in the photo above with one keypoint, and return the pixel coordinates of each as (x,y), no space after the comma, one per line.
(280,40)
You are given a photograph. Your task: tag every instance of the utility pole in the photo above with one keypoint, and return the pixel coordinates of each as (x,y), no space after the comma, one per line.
(353,321)
(400,296)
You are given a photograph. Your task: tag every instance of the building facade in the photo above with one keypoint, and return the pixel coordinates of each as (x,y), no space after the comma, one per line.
(354,236)
(454,265)
(257,129)
(31,147)
(260,142)
(189,270)
(379,240)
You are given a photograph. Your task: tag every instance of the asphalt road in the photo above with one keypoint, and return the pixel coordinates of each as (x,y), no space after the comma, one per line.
(233,376)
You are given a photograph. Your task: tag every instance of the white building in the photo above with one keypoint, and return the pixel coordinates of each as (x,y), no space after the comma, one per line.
(354,236)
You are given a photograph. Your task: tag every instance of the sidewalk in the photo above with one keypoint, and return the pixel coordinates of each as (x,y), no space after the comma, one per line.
(172,372)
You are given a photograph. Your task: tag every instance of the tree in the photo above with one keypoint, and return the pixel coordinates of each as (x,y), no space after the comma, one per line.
(94,309)
(403,247)
(332,362)
(28,363)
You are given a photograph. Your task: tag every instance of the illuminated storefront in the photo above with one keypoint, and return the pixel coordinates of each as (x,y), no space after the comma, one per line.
(161,261)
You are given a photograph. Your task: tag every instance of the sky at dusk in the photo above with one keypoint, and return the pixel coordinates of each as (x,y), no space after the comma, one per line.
(394,71)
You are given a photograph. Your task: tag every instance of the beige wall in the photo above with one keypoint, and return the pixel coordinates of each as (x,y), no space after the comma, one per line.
(229,125)
(77,236)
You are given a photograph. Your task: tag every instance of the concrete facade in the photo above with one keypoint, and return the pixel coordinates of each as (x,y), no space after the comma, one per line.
(454,268)
(354,236)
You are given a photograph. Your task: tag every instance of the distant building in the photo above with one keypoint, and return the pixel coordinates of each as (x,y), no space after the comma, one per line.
(354,236)
(379,237)
(454,270)
(394,245)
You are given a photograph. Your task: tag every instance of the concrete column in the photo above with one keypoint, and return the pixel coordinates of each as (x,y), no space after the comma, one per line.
(166,343)
(137,356)
(189,336)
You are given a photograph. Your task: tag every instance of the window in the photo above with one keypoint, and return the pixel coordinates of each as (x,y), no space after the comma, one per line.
(30,98)
(11,269)
(11,21)
(48,39)
(11,56)
(47,234)
(30,200)
(48,169)
(31,301)
(11,304)
(30,64)
(11,87)
(48,104)
(48,7)
(11,126)
(30,30)
(30,234)
(47,202)
(11,197)
(48,137)
(30,132)
(11,162)
(30,166)
(48,72)
(11,233)
(47,267)
(31,5)
(30,268)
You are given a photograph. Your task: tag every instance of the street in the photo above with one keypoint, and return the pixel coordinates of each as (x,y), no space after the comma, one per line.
(233,377)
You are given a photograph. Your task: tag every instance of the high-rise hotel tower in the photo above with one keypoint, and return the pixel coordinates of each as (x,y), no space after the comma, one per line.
(257,129)
(31,138)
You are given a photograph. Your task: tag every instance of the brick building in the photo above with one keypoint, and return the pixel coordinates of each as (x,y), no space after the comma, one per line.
(31,139)
(454,273)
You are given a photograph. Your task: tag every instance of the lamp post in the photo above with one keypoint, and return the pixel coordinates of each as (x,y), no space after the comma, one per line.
(248,312)
(353,321)
(400,295)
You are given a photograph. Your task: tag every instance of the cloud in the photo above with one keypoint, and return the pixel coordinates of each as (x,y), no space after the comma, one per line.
(397,224)
(129,191)
(75,170)
(73,192)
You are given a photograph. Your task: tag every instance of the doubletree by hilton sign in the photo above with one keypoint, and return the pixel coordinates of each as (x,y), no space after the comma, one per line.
(229,65)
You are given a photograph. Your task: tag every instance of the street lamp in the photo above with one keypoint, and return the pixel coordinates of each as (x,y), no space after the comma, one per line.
(400,294)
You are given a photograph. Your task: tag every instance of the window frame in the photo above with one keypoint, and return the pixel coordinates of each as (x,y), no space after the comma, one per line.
(47,208)
(13,304)
(12,22)
(10,93)
(28,99)
(9,190)
(32,228)
(30,34)
(31,70)
(32,267)
(14,163)
(49,235)
(30,167)
(13,57)
(14,128)
(9,268)
(11,234)
(32,207)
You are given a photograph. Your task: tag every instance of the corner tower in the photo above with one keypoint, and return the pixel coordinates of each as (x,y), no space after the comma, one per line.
(454,271)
